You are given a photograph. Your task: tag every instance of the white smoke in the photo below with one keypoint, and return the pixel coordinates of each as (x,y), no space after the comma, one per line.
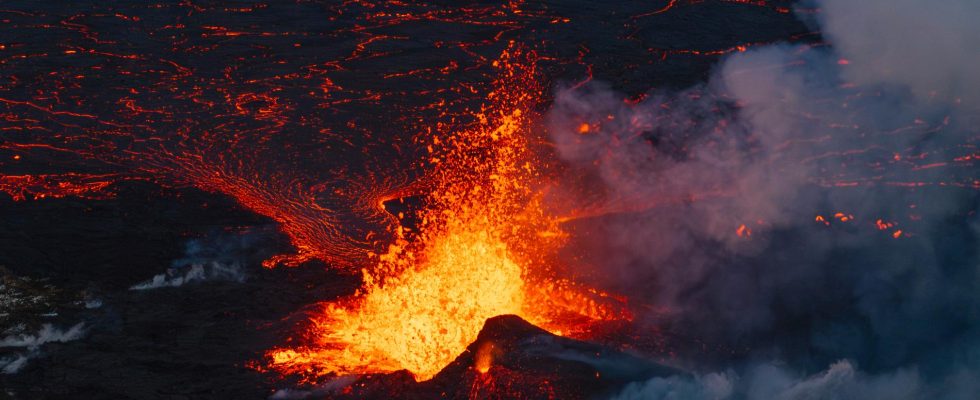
(766,143)
(199,272)
(929,46)
(708,387)
(216,257)
(29,346)
(324,390)
(841,380)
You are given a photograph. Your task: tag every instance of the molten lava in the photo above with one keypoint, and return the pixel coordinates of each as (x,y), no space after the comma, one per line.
(420,320)
(478,247)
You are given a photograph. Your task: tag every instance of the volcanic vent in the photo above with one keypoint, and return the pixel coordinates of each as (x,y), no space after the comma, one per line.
(482,249)
(365,199)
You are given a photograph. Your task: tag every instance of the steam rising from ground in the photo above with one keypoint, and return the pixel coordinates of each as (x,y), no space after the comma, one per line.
(29,346)
(778,135)
(770,382)
(197,272)
(218,257)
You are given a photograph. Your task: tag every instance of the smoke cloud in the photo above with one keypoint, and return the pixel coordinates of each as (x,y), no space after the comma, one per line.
(809,204)
(770,382)
(197,272)
(218,257)
(931,47)
(29,346)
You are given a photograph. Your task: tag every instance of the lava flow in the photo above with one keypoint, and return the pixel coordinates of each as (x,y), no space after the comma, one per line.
(480,251)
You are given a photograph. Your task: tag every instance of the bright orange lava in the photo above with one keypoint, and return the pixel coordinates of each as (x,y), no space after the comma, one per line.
(479,247)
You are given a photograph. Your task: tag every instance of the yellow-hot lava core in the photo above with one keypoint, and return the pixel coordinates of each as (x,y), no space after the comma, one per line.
(481,236)
(422,319)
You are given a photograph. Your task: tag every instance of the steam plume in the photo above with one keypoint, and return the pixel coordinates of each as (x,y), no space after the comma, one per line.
(880,125)
(29,346)
(218,257)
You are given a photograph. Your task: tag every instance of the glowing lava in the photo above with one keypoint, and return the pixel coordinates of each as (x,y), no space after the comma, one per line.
(476,251)
(422,319)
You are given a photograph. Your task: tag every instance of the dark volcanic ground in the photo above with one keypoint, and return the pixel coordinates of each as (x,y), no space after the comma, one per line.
(191,341)
(195,341)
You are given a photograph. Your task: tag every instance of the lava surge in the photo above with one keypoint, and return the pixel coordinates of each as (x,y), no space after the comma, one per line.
(479,251)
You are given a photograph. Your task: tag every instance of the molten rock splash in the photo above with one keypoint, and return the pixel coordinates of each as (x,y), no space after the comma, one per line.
(480,241)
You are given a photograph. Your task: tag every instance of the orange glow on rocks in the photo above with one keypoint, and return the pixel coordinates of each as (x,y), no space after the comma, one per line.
(484,358)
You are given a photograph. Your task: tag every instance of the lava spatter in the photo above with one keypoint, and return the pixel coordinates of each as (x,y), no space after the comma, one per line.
(471,259)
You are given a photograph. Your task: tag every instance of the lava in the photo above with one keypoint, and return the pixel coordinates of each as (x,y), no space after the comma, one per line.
(473,258)
(246,127)
(136,94)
